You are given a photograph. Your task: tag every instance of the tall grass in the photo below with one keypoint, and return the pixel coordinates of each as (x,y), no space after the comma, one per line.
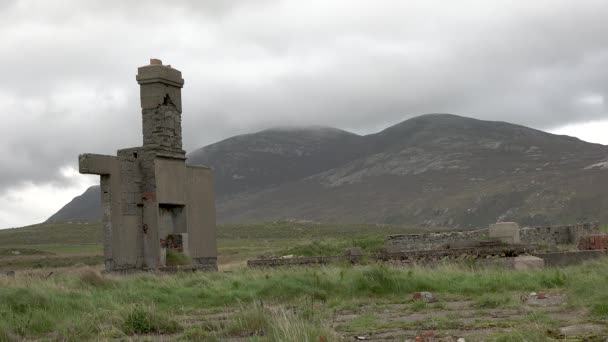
(73,305)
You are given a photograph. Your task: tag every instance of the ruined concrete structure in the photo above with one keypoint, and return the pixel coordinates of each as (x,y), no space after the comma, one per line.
(551,235)
(152,201)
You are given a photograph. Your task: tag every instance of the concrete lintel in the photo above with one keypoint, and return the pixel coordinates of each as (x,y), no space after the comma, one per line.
(96,164)
(204,167)
(171,154)
(179,84)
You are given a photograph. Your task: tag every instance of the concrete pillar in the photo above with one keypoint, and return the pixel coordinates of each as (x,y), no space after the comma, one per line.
(106,221)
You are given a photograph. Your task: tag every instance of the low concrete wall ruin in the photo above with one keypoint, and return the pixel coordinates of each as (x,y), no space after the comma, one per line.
(549,235)
(403,258)
(557,235)
(428,241)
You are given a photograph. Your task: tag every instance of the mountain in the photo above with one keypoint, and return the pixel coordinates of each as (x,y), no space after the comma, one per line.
(86,207)
(432,170)
(275,156)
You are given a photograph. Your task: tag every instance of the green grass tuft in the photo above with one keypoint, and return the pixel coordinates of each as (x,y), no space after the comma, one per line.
(600,309)
(419,305)
(175,258)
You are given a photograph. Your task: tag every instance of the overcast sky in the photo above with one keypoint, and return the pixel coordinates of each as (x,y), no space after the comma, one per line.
(68,73)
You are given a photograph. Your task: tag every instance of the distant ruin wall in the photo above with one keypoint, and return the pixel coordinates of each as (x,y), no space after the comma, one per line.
(550,235)
(557,235)
(403,258)
(426,241)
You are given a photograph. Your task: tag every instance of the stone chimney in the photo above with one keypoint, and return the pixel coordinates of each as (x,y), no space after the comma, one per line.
(161,104)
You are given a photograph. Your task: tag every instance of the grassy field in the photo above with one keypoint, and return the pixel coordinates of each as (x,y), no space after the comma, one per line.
(79,243)
(59,294)
(301,304)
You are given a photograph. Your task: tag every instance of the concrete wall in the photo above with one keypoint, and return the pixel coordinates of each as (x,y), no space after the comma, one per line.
(170,185)
(201,215)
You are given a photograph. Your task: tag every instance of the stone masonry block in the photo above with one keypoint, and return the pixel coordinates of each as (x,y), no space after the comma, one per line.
(507,232)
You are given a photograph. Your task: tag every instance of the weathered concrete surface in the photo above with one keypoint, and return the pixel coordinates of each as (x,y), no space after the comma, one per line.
(585,331)
(521,262)
(507,232)
(148,192)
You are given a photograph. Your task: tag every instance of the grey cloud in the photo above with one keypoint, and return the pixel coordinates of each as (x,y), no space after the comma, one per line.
(68,77)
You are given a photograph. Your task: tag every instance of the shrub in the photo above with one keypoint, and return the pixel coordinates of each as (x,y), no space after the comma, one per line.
(6,335)
(419,304)
(23,300)
(287,326)
(143,320)
(92,278)
(254,321)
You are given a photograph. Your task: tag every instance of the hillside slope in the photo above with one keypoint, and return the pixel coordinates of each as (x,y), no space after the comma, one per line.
(432,170)
(275,156)
(86,207)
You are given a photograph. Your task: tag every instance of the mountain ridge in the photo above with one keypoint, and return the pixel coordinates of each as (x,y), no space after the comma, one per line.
(431,170)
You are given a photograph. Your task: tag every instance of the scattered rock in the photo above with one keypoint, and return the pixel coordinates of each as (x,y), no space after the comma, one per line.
(426,296)
(360,338)
(15,252)
(461,340)
(426,337)
(545,299)
(532,294)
